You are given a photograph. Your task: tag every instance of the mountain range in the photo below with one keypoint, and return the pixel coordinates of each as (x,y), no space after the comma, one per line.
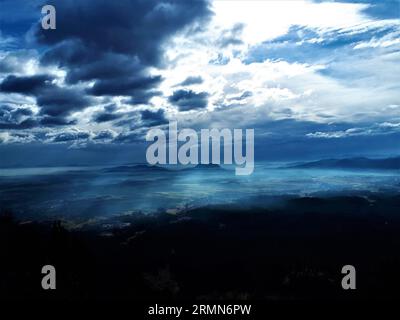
(351,163)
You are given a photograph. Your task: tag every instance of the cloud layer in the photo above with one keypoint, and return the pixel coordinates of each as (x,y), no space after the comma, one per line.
(302,71)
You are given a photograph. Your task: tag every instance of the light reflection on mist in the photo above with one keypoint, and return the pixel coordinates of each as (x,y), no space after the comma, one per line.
(97,192)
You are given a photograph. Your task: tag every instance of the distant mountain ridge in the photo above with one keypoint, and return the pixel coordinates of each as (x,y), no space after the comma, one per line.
(144,167)
(135,168)
(352,163)
(201,166)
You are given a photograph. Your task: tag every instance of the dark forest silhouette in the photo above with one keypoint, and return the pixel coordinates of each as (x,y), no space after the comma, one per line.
(213,253)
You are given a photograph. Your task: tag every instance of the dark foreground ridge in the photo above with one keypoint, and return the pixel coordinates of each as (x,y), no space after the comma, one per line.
(294,253)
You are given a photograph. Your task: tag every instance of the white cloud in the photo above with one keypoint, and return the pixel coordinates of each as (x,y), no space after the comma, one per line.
(360,88)
(376,129)
(265,20)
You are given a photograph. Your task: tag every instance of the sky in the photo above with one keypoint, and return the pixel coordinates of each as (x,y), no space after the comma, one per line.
(315,79)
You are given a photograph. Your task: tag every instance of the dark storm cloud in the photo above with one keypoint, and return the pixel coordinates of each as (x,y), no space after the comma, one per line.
(139,120)
(114,42)
(24,85)
(16,118)
(187,100)
(33,122)
(106,117)
(70,53)
(114,73)
(143,97)
(26,124)
(124,86)
(191,81)
(107,114)
(153,118)
(58,101)
(108,67)
(53,100)
(132,27)
(86,65)
(48,121)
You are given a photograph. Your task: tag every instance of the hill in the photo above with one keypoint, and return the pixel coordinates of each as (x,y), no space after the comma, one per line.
(352,163)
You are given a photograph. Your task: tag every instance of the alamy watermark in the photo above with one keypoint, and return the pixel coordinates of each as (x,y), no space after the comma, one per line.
(186,147)
(49,20)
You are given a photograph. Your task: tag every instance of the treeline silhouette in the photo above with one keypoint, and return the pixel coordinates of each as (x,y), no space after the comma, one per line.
(295,252)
